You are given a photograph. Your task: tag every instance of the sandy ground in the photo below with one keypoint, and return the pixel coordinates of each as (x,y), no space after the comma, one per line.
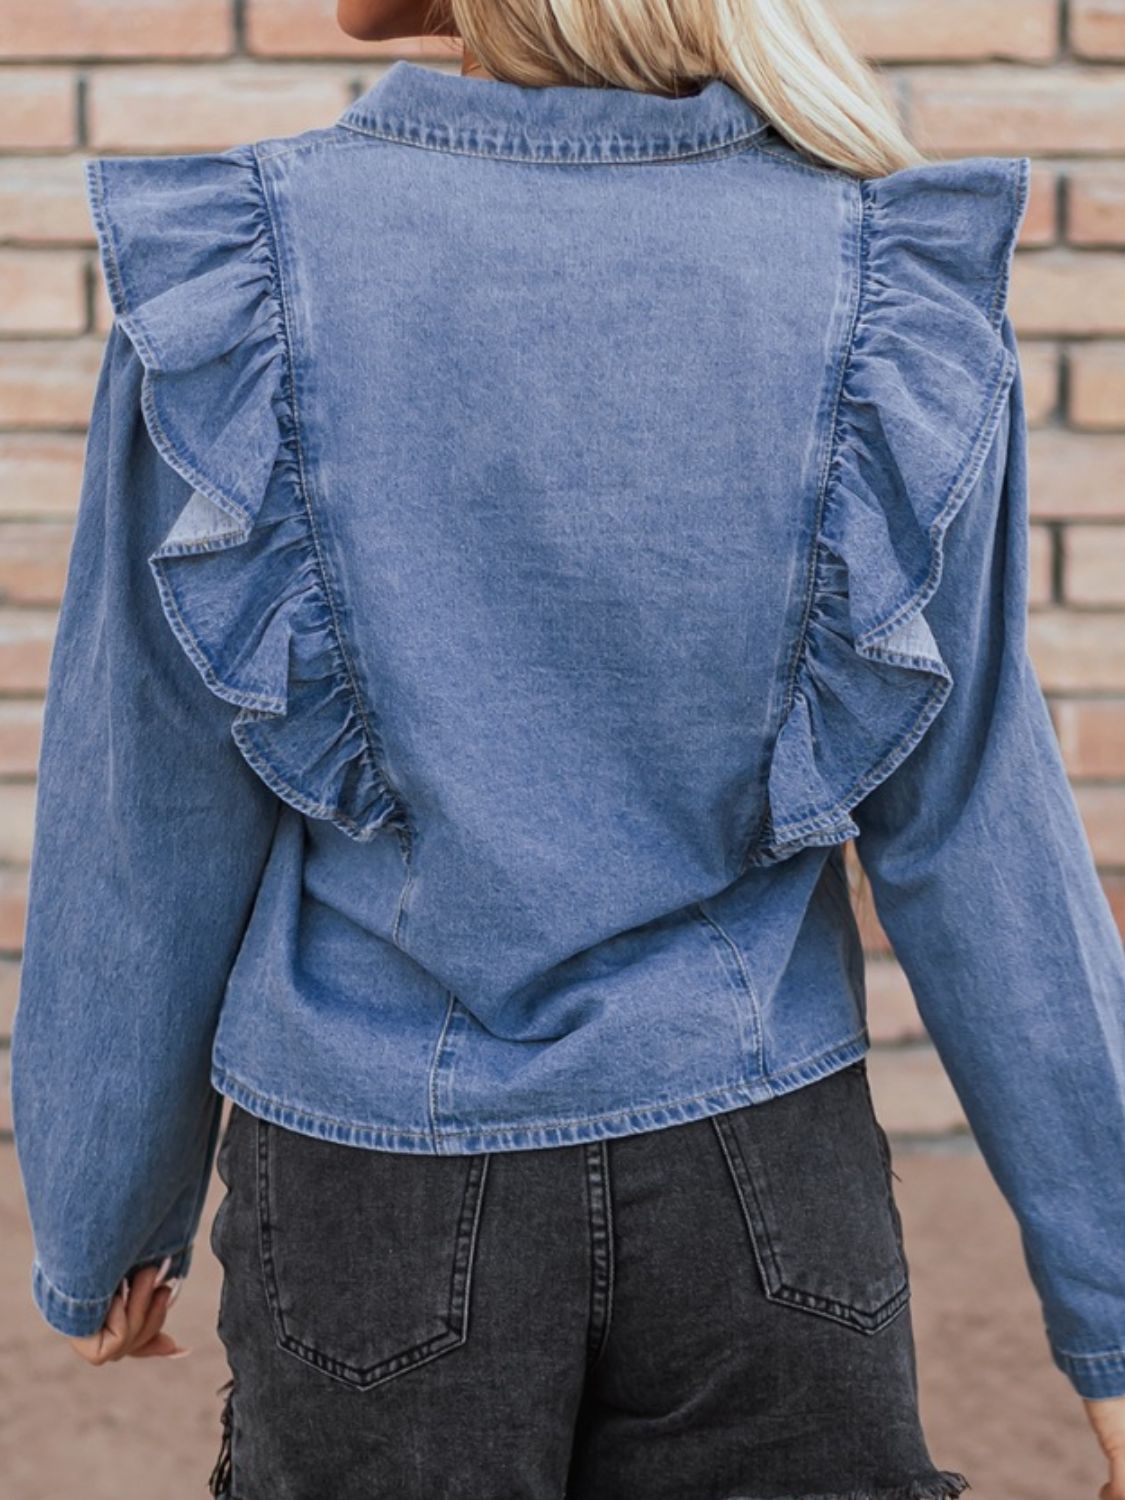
(994,1406)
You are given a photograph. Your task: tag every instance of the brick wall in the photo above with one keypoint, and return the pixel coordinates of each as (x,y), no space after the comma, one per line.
(1044,78)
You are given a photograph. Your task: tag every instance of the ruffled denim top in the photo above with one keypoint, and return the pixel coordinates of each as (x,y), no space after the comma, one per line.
(524,535)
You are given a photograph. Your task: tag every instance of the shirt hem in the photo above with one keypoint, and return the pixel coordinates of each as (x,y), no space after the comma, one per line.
(455,1139)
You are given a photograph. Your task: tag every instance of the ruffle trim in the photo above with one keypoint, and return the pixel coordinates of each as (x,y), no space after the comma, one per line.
(924,388)
(187,253)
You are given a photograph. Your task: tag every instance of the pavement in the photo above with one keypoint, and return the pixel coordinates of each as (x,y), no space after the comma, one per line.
(993,1404)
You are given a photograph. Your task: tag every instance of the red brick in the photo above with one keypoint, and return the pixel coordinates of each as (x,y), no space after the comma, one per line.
(117,28)
(21,726)
(42,199)
(42,291)
(912,1092)
(6,1122)
(1094,566)
(1097,27)
(38,109)
(1103,814)
(40,475)
(1041,221)
(1095,197)
(1019,111)
(1097,386)
(9,993)
(1091,735)
(905,30)
(33,559)
(1041,558)
(182,109)
(1039,363)
(892,1015)
(13,909)
(103,307)
(1076,476)
(17,814)
(48,382)
(26,637)
(1078,651)
(1062,291)
(1114,886)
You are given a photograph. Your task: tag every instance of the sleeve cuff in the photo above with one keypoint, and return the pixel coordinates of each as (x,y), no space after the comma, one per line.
(1095,1377)
(78,1317)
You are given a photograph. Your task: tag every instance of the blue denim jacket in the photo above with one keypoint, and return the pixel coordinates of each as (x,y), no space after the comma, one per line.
(525,533)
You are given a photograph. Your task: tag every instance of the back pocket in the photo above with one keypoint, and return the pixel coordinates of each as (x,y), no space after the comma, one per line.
(367,1255)
(811,1171)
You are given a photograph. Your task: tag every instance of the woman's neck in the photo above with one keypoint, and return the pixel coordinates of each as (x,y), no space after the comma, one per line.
(470,65)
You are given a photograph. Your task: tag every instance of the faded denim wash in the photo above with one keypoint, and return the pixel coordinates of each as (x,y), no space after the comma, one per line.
(524,535)
(652,1317)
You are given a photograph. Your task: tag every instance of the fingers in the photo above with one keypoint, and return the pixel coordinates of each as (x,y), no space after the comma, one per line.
(133,1324)
(163,1346)
(1107,1417)
(116,1324)
(152,1321)
(145,1299)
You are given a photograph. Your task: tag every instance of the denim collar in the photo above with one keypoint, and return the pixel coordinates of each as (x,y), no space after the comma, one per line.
(424,106)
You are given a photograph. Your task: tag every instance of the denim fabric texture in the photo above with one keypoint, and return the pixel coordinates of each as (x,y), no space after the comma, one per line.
(524,534)
(648,1317)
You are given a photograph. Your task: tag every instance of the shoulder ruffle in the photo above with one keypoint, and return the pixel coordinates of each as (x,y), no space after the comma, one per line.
(187,254)
(924,387)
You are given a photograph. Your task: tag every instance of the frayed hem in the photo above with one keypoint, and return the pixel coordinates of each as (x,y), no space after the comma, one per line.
(219,1480)
(945,1485)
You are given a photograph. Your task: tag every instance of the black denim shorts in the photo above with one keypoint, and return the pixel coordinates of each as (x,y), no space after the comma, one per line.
(716,1310)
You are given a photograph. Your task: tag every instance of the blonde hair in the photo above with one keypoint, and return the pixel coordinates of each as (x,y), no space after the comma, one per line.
(784,56)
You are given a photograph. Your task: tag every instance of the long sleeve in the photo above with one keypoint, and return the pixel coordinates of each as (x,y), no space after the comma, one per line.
(150,835)
(985,884)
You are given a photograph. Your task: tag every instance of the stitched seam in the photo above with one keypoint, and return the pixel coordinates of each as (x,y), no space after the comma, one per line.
(830,457)
(375,1373)
(1022,186)
(99,210)
(238,696)
(810,168)
(904,737)
(173,454)
(1001,373)
(435,1062)
(860,1036)
(372,742)
(744,973)
(56,1293)
(1109,1358)
(702,153)
(597,1191)
(462,1267)
(831,452)
(281,783)
(776,1286)
(406,847)
(611,1257)
(793,830)
(724,1132)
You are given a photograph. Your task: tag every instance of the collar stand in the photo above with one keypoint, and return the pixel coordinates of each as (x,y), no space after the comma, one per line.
(424,106)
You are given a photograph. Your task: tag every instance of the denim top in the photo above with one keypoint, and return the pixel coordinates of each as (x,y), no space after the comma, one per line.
(524,534)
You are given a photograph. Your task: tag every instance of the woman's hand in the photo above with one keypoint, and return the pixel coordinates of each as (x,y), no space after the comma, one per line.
(134,1323)
(1107,1418)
